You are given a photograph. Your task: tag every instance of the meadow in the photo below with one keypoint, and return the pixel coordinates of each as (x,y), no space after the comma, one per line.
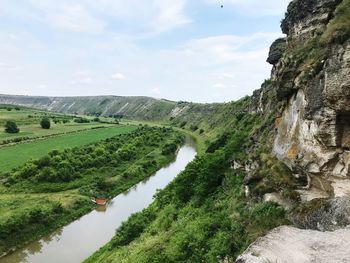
(28,121)
(15,155)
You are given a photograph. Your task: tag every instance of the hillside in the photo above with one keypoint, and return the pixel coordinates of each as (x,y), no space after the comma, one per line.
(131,107)
(212,118)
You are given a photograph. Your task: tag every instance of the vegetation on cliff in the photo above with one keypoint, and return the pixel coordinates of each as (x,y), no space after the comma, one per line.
(203,215)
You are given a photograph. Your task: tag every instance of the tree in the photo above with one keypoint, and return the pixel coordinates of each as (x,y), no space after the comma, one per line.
(45,123)
(11,127)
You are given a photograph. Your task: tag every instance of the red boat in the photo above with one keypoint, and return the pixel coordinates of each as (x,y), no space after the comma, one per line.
(99,201)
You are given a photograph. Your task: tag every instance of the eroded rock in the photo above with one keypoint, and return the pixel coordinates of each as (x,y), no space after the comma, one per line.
(292,245)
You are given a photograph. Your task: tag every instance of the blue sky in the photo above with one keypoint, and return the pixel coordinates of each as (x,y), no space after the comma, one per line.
(189,50)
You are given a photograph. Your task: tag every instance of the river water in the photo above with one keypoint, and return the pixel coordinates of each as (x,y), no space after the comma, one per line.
(81,238)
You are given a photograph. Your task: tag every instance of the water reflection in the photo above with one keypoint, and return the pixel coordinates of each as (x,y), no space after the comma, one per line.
(101,208)
(78,240)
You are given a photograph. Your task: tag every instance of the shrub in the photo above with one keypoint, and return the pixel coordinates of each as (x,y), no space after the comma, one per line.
(45,123)
(11,127)
(183,124)
(169,149)
(81,120)
(194,127)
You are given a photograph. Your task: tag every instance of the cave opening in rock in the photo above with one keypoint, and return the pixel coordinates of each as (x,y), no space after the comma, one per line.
(343,130)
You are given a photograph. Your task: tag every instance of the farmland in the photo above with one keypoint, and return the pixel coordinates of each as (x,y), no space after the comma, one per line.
(10,157)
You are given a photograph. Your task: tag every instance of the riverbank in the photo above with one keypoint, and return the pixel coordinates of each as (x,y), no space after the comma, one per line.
(45,200)
(101,223)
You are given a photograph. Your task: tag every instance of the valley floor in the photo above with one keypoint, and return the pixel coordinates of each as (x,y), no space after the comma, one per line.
(55,189)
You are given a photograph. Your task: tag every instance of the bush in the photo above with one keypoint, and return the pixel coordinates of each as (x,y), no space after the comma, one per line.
(45,123)
(183,124)
(169,149)
(81,120)
(194,127)
(11,127)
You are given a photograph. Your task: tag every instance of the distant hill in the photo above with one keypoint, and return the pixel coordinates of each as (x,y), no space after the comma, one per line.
(211,117)
(131,107)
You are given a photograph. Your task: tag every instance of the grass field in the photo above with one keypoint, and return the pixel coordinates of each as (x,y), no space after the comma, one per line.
(34,130)
(28,121)
(13,156)
(25,116)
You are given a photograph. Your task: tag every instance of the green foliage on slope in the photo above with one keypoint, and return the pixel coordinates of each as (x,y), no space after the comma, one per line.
(203,215)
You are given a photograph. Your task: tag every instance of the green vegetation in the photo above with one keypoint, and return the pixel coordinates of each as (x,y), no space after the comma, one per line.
(81,120)
(45,123)
(56,189)
(11,127)
(13,156)
(25,116)
(338,30)
(29,120)
(203,215)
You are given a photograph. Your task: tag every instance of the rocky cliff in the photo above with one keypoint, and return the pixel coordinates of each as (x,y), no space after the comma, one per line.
(313,77)
(310,88)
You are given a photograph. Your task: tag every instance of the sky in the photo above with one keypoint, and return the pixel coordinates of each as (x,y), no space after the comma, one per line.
(191,50)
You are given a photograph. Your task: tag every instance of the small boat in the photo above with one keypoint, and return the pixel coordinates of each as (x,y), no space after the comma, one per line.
(99,201)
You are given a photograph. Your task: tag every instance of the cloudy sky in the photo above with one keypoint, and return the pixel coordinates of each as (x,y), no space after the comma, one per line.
(189,50)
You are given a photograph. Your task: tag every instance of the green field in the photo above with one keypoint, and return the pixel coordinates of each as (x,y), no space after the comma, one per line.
(28,121)
(24,116)
(34,130)
(13,156)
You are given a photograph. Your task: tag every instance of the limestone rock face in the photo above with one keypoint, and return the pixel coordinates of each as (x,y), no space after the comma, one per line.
(303,18)
(324,215)
(276,51)
(313,132)
(291,245)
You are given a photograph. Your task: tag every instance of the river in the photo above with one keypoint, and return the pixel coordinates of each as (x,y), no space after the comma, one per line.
(78,240)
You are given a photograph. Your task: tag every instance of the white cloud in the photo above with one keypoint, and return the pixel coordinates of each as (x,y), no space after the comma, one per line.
(75,18)
(156,91)
(219,86)
(41,86)
(169,14)
(230,48)
(227,75)
(7,66)
(118,76)
(82,78)
(91,16)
